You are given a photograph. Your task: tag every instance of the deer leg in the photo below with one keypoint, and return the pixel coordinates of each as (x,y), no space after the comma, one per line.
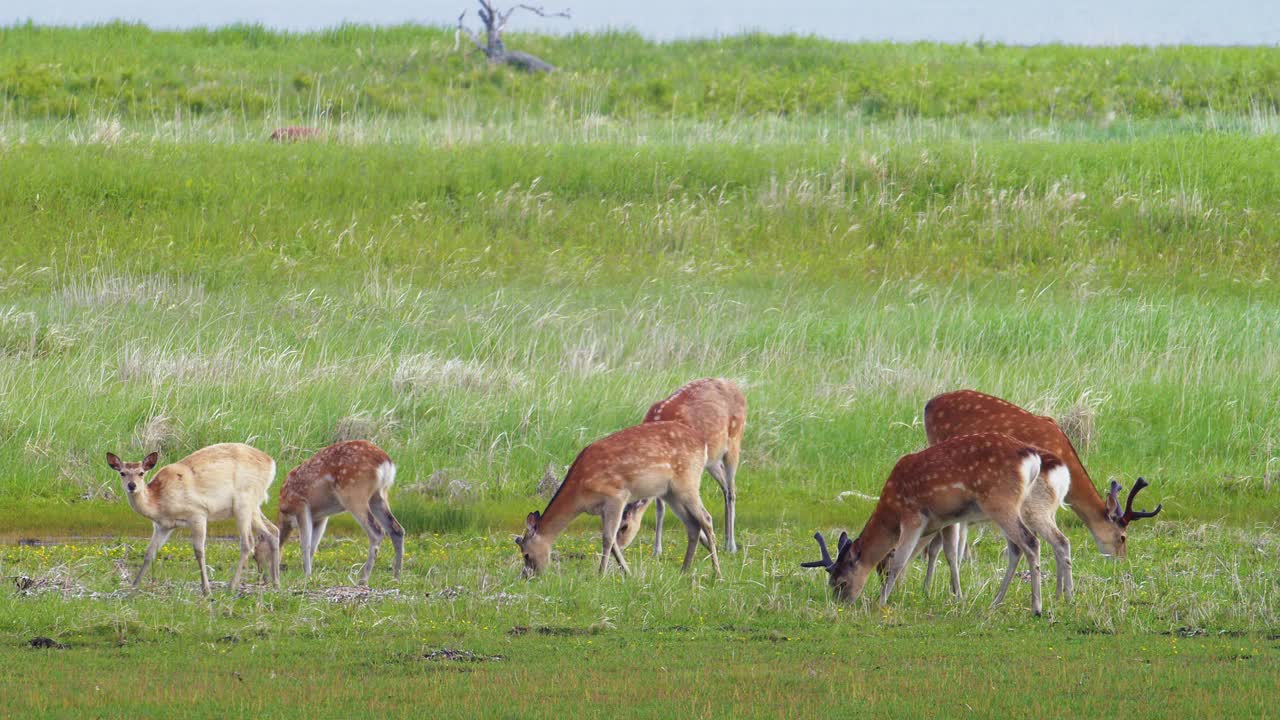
(1061,547)
(931,558)
(306,533)
(1021,541)
(610,519)
(268,532)
(318,526)
(244,528)
(697,521)
(198,532)
(365,517)
(659,514)
(724,477)
(159,536)
(1013,553)
(908,537)
(389,523)
(950,542)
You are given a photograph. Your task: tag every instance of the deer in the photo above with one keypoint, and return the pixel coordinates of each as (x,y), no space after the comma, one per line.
(653,459)
(967,411)
(717,410)
(985,475)
(1039,511)
(228,480)
(351,476)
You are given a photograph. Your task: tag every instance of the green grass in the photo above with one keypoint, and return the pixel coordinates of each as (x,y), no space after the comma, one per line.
(132,71)
(1187,625)
(483,272)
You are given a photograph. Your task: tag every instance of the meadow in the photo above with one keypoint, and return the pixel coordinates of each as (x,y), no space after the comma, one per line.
(487,271)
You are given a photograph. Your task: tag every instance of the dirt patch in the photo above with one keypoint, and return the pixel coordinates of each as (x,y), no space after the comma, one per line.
(521,630)
(454,655)
(45,643)
(352,594)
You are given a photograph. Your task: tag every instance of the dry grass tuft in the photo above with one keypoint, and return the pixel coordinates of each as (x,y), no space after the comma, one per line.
(365,426)
(441,484)
(549,481)
(426,371)
(1079,421)
(161,433)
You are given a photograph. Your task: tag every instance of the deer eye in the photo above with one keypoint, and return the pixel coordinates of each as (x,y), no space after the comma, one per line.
(527,558)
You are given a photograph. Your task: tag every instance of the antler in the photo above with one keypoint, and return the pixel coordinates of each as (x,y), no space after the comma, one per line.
(1129,513)
(826,561)
(1113,500)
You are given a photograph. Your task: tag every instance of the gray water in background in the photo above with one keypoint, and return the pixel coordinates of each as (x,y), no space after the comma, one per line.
(1026,22)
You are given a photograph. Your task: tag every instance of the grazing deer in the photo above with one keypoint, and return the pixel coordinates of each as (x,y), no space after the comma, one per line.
(987,475)
(967,411)
(351,476)
(717,410)
(213,483)
(656,459)
(1039,512)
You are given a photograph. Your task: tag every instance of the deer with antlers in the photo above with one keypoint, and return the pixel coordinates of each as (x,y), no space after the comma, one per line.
(229,480)
(982,476)
(655,459)
(967,411)
(717,410)
(351,476)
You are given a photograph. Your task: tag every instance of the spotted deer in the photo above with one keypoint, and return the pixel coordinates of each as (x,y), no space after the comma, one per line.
(229,480)
(717,410)
(353,477)
(968,411)
(654,459)
(982,476)
(1039,512)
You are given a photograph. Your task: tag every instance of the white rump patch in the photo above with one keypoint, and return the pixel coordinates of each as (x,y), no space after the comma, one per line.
(386,475)
(1059,481)
(1030,470)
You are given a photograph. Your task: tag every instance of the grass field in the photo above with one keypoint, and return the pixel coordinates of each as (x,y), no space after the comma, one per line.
(488,271)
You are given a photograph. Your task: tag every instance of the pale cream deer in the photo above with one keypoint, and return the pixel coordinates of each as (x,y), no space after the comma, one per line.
(717,410)
(656,459)
(229,480)
(982,476)
(353,477)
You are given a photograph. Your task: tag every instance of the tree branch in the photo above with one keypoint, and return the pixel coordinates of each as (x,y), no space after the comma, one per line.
(457,35)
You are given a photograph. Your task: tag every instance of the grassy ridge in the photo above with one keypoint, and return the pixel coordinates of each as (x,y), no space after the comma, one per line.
(132,71)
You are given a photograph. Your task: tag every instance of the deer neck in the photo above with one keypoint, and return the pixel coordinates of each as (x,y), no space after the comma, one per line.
(143,502)
(878,537)
(559,513)
(1083,498)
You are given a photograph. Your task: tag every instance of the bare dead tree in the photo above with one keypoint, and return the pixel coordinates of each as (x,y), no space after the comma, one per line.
(490,43)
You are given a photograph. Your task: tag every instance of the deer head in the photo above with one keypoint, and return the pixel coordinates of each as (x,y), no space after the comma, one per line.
(131,473)
(535,548)
(845,579)
(1120,519)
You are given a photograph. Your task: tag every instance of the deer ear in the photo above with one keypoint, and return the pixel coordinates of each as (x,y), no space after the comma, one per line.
(150,461)
(113,461)
(531,521)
